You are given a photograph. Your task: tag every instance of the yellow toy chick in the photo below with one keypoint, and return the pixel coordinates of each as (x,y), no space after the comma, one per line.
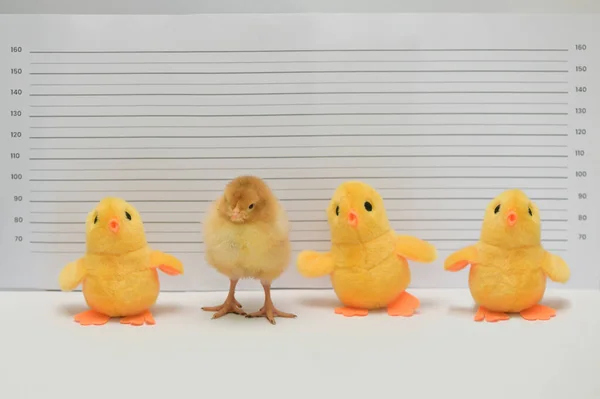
(508,264)
(367,262)
(118,271)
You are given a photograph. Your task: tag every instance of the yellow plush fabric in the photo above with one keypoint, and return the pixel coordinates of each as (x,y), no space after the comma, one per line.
(509,266)
(118,270)
(367,262)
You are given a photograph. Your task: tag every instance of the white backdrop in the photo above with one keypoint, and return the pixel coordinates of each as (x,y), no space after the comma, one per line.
(420,191)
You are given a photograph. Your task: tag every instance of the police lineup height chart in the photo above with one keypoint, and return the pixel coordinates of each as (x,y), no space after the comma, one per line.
(440,113)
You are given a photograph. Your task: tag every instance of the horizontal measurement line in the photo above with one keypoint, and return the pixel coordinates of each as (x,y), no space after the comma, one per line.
(311,135)
(152,222)
(313,83)
(295,189)
(280,62)
(472,230)
(292,240)
(292,210)
(310,221)
(295,199)
(308,146)
(147,232)
(296,168)
(79,252)
(311,72)
(296,114)
(368,50)
(389,209)
(446,250)
(287,93)
(83,242)
(300,157)
(295,125)
(95,201)
(292,104)
(309,178)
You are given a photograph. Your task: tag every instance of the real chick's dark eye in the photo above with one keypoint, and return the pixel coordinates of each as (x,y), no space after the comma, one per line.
(127,215)
(368,206)
(497,209)
(530,213)
(337,210)
(96,219)
(250,206)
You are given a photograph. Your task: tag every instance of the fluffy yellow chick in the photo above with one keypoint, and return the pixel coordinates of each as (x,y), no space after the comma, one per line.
(246,235)
(508,265)
(118,270)
(367,262)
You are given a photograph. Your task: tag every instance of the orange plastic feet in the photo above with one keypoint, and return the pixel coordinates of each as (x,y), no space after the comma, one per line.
(91,317)
(489,316)
(538,312)
(139,319)
(405,305)
(350,312)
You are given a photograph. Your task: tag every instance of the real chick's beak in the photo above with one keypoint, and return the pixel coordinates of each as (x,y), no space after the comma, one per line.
(511,218)
(113,225)
(235,215)
(352,219)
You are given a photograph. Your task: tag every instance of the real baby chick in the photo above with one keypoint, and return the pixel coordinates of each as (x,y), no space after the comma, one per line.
(118,270)
(508,265)
(246,235)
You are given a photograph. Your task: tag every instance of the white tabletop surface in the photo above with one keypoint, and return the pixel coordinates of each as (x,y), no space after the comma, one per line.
(439,353)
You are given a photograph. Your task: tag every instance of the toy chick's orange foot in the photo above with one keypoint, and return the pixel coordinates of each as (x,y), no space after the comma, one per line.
(538,312)
(139,319)
(489,316)
(351,312)
(405,305)
(91,317)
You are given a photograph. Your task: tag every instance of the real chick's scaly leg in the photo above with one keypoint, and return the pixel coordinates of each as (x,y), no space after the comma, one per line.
(231,305)
(268,310)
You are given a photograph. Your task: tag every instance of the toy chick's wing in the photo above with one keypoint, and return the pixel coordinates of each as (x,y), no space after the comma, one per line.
(166,263)
(556,268)
(461,258)
(71,275)
(415,249)
(314,264)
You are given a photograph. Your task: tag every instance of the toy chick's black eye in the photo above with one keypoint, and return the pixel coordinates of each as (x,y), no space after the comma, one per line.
(368,206)
(127,215)
(530,213)
(497,209)
(337,210)
(250,206)
(96,219)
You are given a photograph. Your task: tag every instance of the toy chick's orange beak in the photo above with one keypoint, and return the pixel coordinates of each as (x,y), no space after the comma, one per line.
(113,225)
(511,218)
(352,219)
